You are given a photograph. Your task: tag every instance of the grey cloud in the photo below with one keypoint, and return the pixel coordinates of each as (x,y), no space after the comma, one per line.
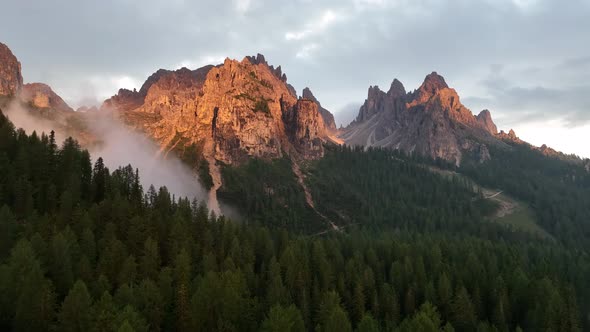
(346,114)
(367,43)
(533,104)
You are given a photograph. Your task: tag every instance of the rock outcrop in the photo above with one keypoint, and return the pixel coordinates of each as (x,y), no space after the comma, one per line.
(326,115)
(305,127)
(485,118)
(509,137)
(11,79)
(40,95)
(430,121)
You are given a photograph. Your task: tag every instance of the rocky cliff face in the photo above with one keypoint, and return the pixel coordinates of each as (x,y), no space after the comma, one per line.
(11,79)
(40,95)
(509,137)
(430,120)
(305,127)
(231,112)
(485,119)
(326,115)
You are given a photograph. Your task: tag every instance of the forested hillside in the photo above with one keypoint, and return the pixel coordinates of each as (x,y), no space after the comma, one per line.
(86,249)
(557,190)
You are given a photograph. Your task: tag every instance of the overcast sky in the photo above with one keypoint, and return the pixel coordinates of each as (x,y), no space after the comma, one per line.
(528,61)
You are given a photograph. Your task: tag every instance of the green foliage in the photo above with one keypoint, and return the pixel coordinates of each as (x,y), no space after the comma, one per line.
(245,96)
(427,319)
(261,105)
(557,191)
(267,192)
(75,313)
(368,324)
(94,252)
(283,319)
(384,188)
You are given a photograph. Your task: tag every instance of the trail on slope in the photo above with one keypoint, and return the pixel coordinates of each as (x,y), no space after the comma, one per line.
(309,197)
(506,205)
(215,173)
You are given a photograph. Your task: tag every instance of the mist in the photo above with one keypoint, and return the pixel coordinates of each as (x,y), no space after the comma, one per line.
(119,146)
(21,118)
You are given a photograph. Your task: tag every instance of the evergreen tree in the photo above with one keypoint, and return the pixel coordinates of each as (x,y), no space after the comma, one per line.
(76,314)
(283,319)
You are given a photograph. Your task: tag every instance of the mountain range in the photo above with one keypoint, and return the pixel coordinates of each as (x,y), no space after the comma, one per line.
(228,113)
(419,215)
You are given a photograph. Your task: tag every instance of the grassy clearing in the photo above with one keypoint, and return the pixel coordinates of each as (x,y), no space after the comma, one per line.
(510,212)
(522,218)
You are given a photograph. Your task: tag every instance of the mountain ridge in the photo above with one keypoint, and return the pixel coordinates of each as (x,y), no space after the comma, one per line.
(385,119)
(430,121)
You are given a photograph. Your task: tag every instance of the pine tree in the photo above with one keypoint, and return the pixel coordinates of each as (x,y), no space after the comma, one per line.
(368,324)
(281,319)
(76,310)
(463,313)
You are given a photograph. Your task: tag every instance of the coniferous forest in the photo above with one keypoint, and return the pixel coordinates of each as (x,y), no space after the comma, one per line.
(85,248)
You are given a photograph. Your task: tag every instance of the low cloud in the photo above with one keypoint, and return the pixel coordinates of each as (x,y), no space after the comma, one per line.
(120,146)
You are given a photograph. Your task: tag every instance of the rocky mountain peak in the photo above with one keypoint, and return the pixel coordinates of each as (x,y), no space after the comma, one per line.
(11,79)
(431,121)
(485,119)
(375,92)
(259,59)
(433,82)
(510,137)
(40,95)
(232,111)
(327,116)
(307,94)
(397,89)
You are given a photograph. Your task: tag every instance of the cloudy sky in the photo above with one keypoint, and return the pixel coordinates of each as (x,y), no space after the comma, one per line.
(528,61)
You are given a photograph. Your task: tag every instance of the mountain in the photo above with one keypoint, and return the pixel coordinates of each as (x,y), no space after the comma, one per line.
(233,111)
(226,115)
(430,121)
(11,79)
(40,95)
(392,241)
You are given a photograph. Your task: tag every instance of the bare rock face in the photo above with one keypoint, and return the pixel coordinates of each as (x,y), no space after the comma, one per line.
(305,128)
(229,112)
(485,118)
(430,121)
(11,79)
(326,115)
(124,100)
(40,95)
(509,137)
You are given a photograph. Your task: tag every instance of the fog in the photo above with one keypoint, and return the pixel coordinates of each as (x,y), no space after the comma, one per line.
(21,118)
(120,146)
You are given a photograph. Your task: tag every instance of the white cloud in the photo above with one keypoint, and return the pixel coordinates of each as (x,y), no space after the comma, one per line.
(242,6)
(306,51)
(558,135)
(353,44)
(96,88)
(316,26)
(202,61)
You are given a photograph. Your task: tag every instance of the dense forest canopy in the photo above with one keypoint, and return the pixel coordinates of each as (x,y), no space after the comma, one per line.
(85,248)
